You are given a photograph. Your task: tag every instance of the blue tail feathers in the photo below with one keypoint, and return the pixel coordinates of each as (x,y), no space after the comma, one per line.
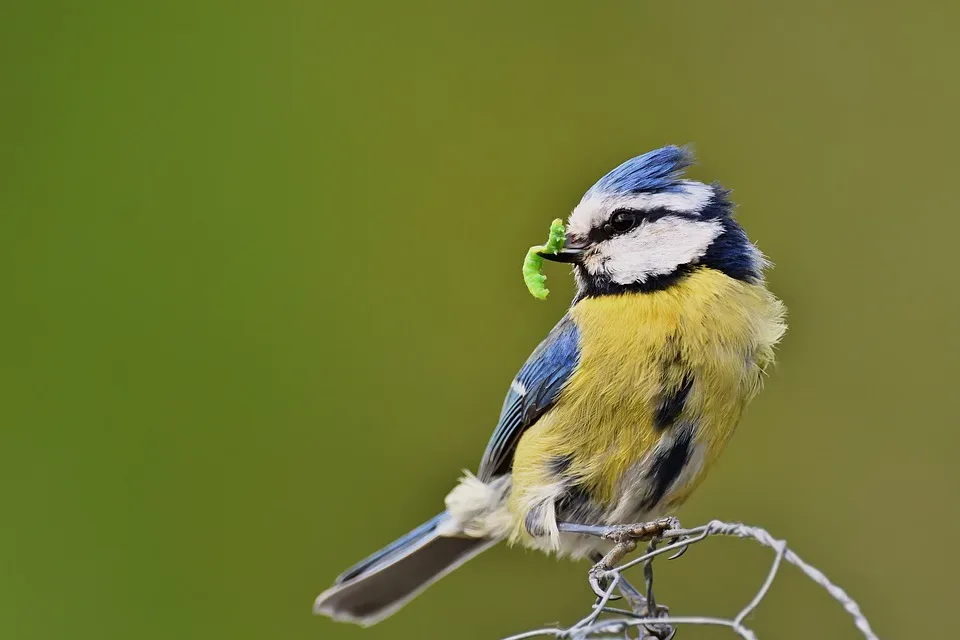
(394,547)
(379,585)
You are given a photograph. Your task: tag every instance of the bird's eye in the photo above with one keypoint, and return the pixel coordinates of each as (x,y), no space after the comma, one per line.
(622,221)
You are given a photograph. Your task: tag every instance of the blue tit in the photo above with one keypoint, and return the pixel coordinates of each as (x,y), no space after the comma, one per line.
(619,412)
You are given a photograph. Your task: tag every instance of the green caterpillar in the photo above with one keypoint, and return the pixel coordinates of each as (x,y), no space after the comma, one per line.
(533,263)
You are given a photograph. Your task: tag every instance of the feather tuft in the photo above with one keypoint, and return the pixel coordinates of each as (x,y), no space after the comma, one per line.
(657,170)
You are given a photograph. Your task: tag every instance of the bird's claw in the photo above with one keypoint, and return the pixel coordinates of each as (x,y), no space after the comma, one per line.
(599,579)
(682,549)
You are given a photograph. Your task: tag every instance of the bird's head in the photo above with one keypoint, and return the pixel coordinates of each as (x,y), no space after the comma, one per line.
(643,226)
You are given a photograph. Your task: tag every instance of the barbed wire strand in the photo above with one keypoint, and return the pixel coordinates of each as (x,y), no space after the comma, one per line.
(590,626)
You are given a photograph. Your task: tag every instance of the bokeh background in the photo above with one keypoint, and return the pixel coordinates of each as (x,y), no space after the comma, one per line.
(262,297)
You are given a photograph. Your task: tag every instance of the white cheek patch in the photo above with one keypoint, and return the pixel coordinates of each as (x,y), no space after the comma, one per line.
(592,212)
(653,249)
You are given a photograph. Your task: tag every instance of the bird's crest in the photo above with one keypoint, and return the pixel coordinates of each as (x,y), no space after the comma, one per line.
(657,170)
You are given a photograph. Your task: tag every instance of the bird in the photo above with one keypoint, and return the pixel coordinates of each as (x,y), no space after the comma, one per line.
(618,413)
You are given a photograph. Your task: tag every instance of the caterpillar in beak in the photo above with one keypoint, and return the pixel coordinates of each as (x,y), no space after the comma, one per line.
(533,264)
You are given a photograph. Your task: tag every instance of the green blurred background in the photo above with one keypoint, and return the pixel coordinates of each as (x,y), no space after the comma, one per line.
(260,264)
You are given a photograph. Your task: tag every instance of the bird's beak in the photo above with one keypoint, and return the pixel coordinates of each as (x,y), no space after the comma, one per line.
(571,252)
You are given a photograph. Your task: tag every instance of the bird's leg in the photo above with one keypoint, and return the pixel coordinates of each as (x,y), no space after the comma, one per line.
(625,539)
(599,577)
(617,533)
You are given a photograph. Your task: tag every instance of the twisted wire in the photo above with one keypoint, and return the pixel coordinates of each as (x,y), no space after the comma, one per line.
(593,626)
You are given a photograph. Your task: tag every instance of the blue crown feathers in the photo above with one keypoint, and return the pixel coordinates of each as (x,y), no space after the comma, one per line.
(657,170)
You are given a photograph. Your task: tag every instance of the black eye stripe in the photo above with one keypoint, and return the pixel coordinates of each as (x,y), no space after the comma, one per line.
(609,228)
(649,214)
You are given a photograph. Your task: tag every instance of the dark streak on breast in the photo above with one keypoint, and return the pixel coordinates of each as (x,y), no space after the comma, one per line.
(668,464)
(671,404)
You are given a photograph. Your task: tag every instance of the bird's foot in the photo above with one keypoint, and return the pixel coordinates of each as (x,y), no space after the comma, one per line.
(641,531)
(600,578)
(602,572)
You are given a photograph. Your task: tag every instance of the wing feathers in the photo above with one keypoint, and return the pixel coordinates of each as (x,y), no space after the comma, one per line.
(532,393)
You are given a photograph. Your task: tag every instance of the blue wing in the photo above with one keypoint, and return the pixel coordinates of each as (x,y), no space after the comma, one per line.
(531,393)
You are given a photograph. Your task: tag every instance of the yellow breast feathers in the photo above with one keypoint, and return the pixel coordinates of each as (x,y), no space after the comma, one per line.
(662,380)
